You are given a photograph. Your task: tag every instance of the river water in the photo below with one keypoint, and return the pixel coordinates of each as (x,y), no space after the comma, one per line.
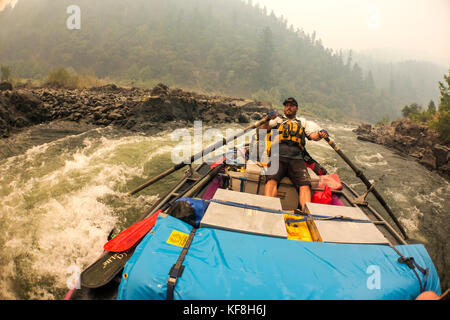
(63,188)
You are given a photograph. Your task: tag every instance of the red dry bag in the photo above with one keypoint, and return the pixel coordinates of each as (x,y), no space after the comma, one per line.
(323,197)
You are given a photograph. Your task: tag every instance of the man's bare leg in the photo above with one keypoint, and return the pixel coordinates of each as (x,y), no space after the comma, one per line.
(271,188)
(304,196)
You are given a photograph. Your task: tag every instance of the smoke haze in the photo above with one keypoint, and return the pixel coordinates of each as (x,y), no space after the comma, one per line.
(397,30)
(4,3)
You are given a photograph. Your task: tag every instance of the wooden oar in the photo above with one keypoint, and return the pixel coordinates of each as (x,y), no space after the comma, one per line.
(200,154)
(360,175)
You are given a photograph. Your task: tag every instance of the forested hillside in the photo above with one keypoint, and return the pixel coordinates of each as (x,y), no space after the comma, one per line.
(230,47)
(407,80)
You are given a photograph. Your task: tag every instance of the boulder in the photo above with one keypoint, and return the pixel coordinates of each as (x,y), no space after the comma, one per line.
(25,109)
(4,128)
(366,138)
(442,155)
(5,85)
(244,103)
(411,138)
(115,116)
(256,116)
(363,128)
(160,89)
(242,118)
(221,116)
(428,160)
(417,153)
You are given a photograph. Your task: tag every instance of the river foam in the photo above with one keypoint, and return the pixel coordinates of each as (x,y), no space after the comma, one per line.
(57,208)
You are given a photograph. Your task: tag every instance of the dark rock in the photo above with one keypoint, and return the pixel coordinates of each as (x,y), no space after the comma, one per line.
(4,128)
(20,109)
(242,118)
(366,138)
(106,88)
(417,153)
(221,116)
(442,155)
(411,138)
(103,122)
(136,109)
(115,116)
(256,116)
(21,122)
(130,124)
(160,89)
(364,128)
(428,160)
(5,85)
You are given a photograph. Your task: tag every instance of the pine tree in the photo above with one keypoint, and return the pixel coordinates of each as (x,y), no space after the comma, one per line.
(265,60)
(431,107)
(349,60)
(369,81)
(443,120)
(445,93)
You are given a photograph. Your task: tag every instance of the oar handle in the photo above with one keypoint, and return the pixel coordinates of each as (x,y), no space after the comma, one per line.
(363,178)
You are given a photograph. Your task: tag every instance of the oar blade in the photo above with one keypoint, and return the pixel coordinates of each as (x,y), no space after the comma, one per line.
(217,163)
(127,238)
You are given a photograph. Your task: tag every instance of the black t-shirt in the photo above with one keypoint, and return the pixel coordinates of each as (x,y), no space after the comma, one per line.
(290,151)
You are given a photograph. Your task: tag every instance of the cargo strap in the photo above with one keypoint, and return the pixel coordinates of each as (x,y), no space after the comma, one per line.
(177,269)
(331,218)
(412,264)
(295,213)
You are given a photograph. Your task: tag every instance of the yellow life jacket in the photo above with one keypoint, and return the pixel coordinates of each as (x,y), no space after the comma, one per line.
(290,131)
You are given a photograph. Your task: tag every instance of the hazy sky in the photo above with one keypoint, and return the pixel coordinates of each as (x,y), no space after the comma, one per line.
(4,3)
(420,27)
(417,29)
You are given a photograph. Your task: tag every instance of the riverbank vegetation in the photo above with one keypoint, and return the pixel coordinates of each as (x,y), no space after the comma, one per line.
(437,119)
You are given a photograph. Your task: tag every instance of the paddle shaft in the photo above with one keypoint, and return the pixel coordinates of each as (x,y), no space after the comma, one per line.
(199,155)
(198,184)
(363,178)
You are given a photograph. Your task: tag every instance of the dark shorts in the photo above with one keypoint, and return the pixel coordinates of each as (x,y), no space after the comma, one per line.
(295,169)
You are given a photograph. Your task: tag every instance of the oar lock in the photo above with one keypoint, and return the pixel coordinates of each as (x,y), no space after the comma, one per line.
(189,171)
(361,200)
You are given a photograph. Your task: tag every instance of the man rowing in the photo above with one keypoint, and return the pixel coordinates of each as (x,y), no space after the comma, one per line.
(292,135)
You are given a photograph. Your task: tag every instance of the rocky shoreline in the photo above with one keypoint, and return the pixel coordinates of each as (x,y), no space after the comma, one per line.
(413,139)
(145,110)
(135,109)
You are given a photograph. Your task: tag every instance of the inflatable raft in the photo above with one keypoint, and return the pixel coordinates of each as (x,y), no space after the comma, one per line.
(218,237)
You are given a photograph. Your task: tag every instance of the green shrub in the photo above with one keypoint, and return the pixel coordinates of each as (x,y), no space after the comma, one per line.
(442,125)
(6,73)
(443,117)
(62,78)
(422,116)
(411,110)
(384,120)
